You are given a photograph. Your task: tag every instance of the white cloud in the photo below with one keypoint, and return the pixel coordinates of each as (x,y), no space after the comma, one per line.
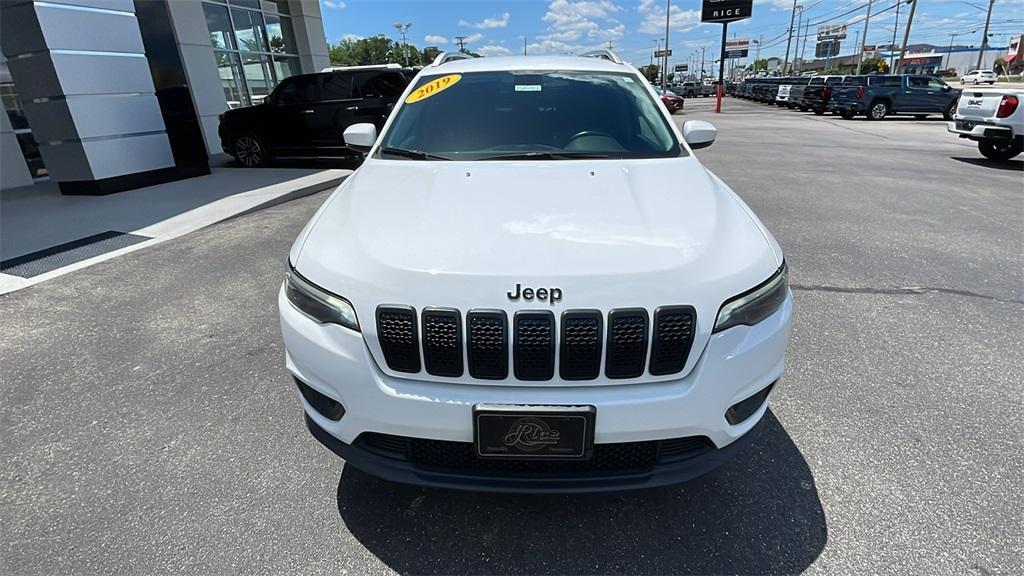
(352,37)
(335,4)
(570,21)
(435,39)
(487,23)
(653,18)
(492,50)
(474,37)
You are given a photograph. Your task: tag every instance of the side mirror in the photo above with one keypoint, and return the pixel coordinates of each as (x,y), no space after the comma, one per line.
(946,88)
(699,134)
(360,137)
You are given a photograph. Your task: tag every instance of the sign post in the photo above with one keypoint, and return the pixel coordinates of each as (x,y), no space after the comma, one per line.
(723,12)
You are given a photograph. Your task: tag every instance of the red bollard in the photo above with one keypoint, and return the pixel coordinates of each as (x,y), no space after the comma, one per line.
(718,104)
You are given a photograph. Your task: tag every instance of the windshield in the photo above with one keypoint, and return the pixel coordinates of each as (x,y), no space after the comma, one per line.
(523,115)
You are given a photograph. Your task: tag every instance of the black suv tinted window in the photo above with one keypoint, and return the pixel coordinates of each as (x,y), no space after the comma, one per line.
(380,84)
(337,86)
(816,81)
(298,90)
(855,81)
(918,81)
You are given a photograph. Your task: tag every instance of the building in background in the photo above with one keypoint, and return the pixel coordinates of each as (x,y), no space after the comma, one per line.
(108,95)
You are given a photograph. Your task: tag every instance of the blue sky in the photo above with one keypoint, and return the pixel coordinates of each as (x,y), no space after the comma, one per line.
(562,26)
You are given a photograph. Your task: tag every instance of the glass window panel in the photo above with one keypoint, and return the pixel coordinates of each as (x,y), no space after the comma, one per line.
(258,78)
(298,91)
(249,32)
(13,107)
(30,150)
(279,32)
(282,6)
(219,25)
(337,87)
(231,79)
(285,66)
(254,4)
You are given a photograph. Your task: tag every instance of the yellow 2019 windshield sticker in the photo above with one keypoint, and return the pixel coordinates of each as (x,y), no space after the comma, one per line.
(433,87)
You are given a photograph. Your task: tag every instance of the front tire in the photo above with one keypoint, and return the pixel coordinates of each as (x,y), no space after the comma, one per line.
(920,116)
(250,151)
(846,114)
(948,113)
(1000,152)
(819,111)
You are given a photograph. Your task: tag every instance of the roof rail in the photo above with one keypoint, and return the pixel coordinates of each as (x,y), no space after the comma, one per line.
(603,54)
(363,67)
(444,57)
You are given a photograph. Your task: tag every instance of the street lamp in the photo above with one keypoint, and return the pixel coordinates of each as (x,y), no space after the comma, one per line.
(403,28)
(949,51)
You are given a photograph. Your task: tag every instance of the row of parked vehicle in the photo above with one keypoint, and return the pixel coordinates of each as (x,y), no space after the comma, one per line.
(875,96)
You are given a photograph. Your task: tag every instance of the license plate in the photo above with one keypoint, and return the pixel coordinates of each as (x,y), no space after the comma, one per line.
(534,432)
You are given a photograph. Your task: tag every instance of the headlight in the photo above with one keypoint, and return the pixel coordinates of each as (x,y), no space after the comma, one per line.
(756,305)
(317,303)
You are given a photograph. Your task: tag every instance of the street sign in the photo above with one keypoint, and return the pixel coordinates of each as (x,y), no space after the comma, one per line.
(662,53)
(682,67)
(832,32)
(870,48)
(827,49)
(737,48)
(725,10)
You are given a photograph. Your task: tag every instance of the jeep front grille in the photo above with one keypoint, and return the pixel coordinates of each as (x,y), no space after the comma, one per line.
(582,339)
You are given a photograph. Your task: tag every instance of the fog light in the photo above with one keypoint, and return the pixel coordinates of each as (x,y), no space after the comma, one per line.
(744,409)
(330,409)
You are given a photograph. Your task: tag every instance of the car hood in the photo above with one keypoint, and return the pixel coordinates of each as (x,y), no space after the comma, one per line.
(608,234)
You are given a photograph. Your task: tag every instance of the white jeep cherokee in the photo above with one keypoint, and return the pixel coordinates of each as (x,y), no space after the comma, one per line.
(531,284)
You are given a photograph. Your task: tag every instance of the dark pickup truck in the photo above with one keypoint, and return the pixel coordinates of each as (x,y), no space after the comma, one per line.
(878,96)
(818,93)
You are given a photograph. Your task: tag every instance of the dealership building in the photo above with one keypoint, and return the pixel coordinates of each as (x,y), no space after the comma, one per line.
(108,95)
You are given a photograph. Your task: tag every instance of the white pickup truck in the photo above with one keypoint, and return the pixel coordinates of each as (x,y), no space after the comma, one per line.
(992,117)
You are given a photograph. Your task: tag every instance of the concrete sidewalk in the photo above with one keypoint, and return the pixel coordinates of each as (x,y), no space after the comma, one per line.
(44,234)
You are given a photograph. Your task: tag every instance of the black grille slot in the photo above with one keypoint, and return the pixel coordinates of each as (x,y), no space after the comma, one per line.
(580,346)
(624,457)
(487,344)
(671,339)
(533,345)
(396,332)
(442,342)
(627,343)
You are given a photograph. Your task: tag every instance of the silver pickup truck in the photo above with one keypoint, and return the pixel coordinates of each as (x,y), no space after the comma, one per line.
(693,89)
(992,117)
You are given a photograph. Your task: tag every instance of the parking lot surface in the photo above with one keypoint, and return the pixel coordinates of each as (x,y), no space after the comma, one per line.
(150,427)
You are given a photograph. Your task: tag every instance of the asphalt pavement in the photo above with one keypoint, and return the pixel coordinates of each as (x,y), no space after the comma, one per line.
(149,426)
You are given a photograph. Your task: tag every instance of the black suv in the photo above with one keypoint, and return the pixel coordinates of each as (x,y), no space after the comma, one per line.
(305,116)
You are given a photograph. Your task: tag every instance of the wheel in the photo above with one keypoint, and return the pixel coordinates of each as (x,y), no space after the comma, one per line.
(689,94)
(948,113)
(992,83)
(819,111)
(846,114)
(878,110)
(961,81)
(250,151)
(920,116)
(804,108)
(1001,151)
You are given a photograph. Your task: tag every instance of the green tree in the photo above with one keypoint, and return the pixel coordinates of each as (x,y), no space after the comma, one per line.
(651,72)
(362,52)
(999,66)
(761,64)
(869,65)
(429,53)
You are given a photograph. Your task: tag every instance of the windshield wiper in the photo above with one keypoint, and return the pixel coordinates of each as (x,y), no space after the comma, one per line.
(564,155)
(414,154)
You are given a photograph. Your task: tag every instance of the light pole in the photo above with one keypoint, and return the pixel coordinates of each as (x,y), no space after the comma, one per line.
(664,70)
(949,51)
(792,18)
(799,24)
(863,39)
(984,35)
(403,28)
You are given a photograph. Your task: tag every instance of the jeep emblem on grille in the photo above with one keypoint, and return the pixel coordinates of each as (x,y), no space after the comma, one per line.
(552,295)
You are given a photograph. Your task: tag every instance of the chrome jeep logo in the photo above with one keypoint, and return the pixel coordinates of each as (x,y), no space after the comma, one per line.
(530,434)
(552,295)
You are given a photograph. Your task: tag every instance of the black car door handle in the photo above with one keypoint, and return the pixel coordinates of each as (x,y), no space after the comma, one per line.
(350,108)
(308,111)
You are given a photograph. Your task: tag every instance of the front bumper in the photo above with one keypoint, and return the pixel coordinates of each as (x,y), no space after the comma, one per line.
(734,365)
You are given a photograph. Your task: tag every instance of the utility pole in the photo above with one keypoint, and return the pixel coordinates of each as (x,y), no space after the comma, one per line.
(949,51)
(789,40)
(664,70)
(906,37)
(803,47)
(524,45)
(799,23)
(658,42)
(610,45)
(721,69)
(895,27)
(984,35)
(864,39)
(461,41)
(702,48)
(757,53)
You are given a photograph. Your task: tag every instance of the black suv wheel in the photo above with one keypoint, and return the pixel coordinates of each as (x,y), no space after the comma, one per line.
(1001,151)
(250,150)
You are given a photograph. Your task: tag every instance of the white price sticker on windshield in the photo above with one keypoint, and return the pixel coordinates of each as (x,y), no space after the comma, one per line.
(527,87)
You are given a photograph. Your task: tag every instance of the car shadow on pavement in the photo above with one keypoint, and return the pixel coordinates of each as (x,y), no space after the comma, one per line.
(760,513)
(1012,165)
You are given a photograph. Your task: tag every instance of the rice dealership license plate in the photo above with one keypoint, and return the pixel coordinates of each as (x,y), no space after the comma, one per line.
(534,432)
